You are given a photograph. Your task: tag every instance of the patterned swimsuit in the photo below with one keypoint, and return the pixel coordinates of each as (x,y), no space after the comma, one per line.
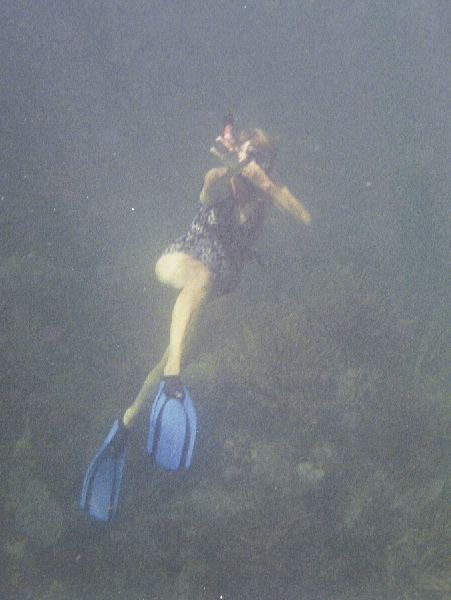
(220,242)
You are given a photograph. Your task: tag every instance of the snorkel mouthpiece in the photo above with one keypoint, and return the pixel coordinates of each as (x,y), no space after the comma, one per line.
(228,130)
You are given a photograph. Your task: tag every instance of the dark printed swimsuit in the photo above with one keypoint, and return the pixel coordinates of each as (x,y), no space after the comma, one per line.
(220,242)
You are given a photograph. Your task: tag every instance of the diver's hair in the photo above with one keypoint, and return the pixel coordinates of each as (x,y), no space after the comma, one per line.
(262,147)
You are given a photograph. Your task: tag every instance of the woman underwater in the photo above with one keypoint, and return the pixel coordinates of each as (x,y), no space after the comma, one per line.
(206,262)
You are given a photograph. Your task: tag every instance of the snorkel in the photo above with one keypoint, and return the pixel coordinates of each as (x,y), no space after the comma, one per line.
(225,146)
(250,145)
(227,136)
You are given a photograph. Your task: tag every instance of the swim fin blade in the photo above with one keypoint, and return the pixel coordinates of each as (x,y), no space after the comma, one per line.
(102,482)
(172,430)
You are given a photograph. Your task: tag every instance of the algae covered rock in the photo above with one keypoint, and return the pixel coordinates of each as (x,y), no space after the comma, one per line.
(39,516)
(309,473)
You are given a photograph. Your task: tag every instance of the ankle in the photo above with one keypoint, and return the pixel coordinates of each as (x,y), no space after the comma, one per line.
(173,387)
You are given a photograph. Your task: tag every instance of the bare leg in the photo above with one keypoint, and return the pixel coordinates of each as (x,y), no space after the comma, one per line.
(187,273)
(145,392)
(194,278)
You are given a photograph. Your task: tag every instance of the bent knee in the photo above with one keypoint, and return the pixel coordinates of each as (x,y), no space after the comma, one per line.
(168,267)
(179,269)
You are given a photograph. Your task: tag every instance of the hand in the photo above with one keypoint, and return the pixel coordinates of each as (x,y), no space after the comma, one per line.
(226,152)
(233,157)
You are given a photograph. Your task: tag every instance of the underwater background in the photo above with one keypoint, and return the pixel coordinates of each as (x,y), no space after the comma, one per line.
(322,386)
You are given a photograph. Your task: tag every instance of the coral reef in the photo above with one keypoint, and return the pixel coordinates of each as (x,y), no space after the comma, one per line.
(419,559)
(39,516)
(343,371)
(324,442)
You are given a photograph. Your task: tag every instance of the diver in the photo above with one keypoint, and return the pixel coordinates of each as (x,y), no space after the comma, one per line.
(206,262)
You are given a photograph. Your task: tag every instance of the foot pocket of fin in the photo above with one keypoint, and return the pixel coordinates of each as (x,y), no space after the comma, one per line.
(172,429)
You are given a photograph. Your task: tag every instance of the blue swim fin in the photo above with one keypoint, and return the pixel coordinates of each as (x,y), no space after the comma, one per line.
(102,482)
(172,429)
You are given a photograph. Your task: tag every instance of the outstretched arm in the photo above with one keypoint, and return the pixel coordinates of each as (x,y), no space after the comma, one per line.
(280,196)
